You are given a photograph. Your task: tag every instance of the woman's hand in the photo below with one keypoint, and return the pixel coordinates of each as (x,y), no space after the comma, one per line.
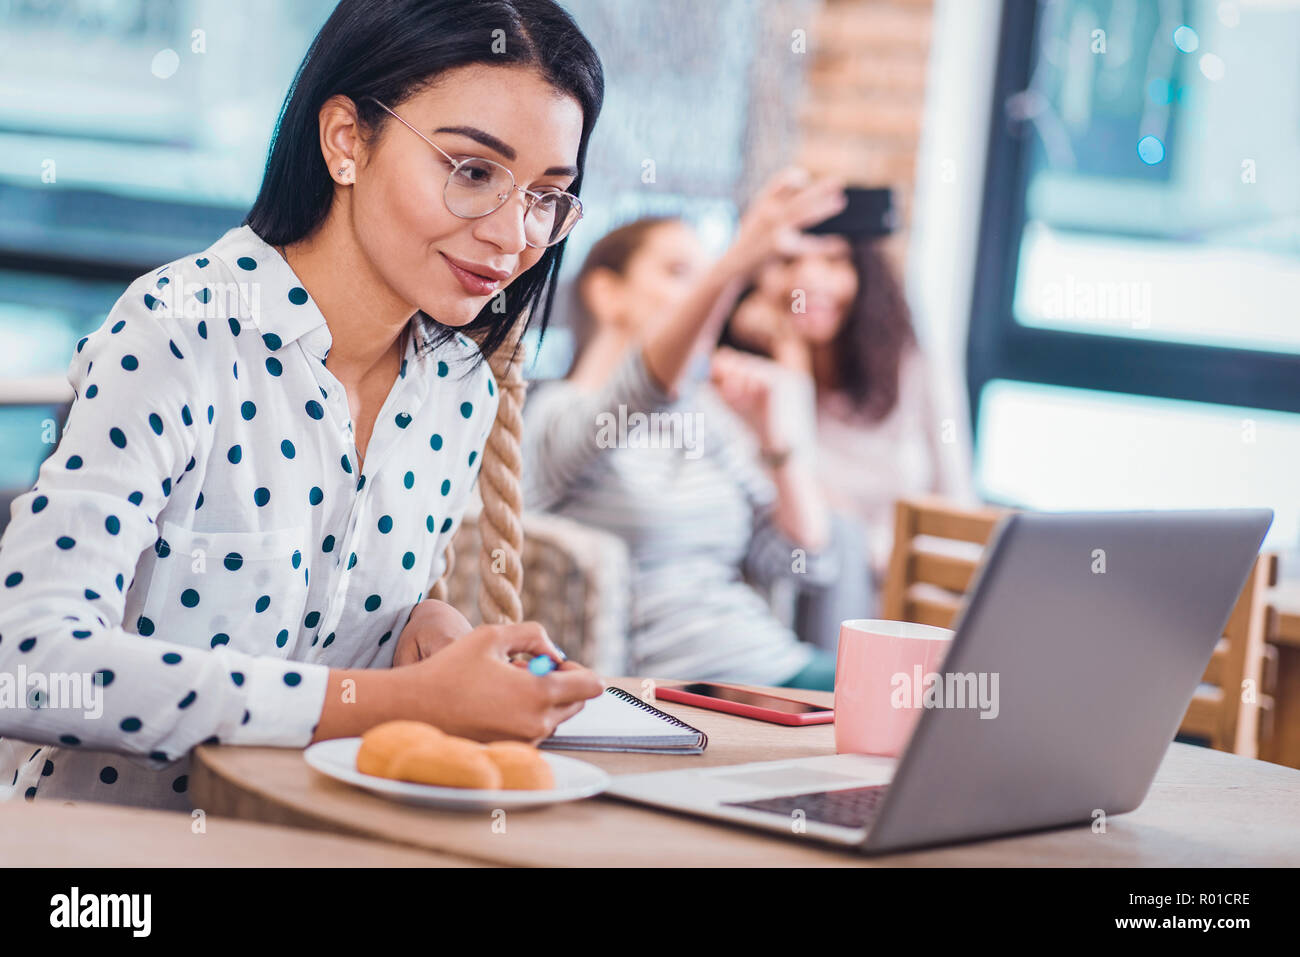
(787,203)
(752,386)
(432,626)
(756,323)
(471,689)
(764,326)
(767,396)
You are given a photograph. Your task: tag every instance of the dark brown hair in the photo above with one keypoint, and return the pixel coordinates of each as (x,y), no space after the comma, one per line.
(877,331)
(613,251)
(871,343)
(390,50)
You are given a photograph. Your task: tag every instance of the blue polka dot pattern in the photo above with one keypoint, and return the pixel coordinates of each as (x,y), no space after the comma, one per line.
(277,543)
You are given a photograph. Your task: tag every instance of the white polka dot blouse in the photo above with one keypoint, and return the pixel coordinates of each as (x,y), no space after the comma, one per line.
(202,546)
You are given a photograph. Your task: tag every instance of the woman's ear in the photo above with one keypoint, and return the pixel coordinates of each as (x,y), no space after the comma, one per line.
(601,292)
(339,139)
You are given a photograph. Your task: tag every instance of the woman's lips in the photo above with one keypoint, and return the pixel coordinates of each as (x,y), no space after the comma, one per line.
(817,323)
(471,282)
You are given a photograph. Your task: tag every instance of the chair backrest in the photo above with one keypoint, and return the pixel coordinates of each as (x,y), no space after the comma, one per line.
(1279,703)
(937,547)
(1225,710)
(576,584)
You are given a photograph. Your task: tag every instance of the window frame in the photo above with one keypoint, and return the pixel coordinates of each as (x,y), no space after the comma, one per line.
(998,347)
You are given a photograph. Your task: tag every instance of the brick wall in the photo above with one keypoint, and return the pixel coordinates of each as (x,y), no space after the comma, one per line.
(864,92)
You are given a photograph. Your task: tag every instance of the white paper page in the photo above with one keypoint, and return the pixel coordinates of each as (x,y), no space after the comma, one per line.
(609,716)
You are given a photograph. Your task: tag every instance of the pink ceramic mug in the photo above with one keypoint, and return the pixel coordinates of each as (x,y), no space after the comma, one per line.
(878,661)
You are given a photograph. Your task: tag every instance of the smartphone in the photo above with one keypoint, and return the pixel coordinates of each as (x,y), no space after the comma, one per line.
(747,704)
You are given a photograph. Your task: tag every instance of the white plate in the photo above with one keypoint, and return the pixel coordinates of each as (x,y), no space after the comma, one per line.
(574,779)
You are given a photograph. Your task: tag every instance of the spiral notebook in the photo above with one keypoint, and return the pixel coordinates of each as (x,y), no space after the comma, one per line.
(620,721)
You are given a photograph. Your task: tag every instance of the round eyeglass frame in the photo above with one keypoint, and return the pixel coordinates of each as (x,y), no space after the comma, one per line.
(531,196)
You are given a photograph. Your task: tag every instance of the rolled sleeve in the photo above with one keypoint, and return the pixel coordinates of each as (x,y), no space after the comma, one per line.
(287,698)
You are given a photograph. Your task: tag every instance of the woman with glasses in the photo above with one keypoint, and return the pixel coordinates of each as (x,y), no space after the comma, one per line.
(273,439)
(700,506)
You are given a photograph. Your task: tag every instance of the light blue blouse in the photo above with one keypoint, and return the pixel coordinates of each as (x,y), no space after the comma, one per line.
(199,550)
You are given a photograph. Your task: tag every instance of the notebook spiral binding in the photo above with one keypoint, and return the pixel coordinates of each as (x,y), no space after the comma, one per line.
(647,706)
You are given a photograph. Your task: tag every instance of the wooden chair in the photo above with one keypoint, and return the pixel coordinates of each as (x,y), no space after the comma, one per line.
(576,584)
(1279,726)
(1226,708)
(937,547)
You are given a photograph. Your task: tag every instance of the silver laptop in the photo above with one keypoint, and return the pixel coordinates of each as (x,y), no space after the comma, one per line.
(1099,626)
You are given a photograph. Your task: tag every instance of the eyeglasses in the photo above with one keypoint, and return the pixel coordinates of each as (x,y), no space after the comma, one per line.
(478,187)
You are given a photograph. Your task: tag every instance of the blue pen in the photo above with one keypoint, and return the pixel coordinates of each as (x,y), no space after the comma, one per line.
(542,665)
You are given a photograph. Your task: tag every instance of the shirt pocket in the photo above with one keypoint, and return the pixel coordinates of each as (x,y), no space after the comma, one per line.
(240,589)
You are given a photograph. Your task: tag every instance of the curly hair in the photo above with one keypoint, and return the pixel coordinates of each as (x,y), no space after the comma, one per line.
(873,339)
(876,333)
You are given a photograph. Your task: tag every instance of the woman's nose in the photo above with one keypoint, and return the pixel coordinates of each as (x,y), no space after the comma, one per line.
(809,276)
(504,227)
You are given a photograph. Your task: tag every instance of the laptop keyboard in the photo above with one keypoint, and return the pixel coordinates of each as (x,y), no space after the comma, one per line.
(851,807)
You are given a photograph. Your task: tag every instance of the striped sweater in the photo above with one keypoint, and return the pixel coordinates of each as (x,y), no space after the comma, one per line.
(679,481)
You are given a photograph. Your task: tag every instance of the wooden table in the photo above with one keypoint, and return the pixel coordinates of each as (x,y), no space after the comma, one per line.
(1205,808)
(47,834)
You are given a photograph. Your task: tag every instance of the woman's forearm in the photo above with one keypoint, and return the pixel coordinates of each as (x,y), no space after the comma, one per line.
(800,513)
(669,349)
(360,698)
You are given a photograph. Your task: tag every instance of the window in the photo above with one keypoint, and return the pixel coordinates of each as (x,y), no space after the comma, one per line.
(131,133)
(1140,258)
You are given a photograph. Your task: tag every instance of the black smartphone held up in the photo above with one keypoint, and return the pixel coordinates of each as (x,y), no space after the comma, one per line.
(866,213)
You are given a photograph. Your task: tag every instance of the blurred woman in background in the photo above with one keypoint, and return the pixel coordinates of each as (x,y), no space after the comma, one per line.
(833,307)
(731,490)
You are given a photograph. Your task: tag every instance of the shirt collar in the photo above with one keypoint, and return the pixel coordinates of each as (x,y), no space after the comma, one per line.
(280,307)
